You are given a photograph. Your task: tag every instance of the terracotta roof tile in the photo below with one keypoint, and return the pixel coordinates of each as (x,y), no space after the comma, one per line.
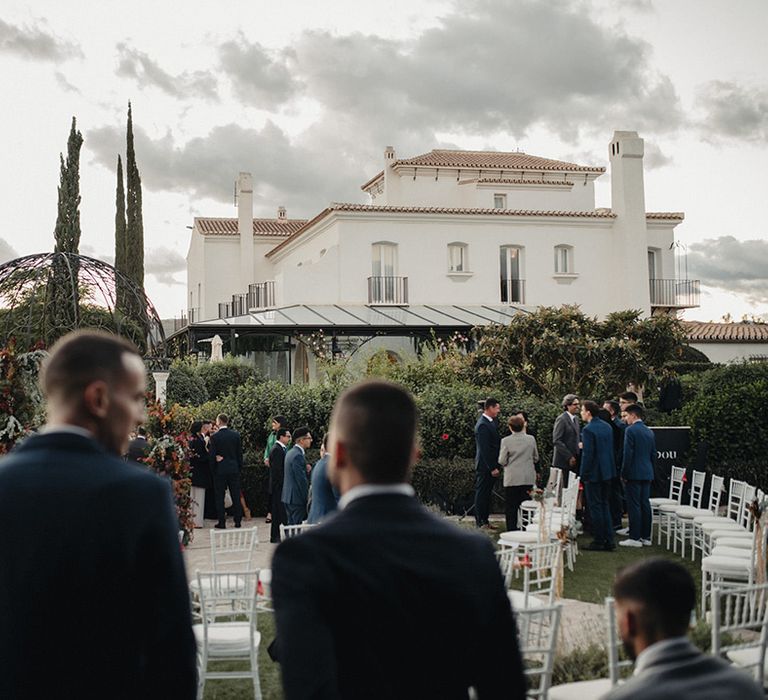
(665,215)
(487,160)
(744,332)
(261,227)
(520,181)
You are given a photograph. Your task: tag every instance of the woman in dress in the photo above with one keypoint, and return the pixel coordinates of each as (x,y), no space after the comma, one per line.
(200,468)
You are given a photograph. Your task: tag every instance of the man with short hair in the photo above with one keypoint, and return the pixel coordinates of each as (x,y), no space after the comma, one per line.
(371,603)
(638,472)
(626,399)
(597,470)
(93,592)
(654,601)
(138,447)
(616,499)
(566,435)
(487,443)
(296,480)
(277,475)
(226,454)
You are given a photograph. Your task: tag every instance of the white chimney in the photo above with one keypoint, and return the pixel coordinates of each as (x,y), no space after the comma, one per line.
(390,177)
(629,228)
(282,215)
(245,229)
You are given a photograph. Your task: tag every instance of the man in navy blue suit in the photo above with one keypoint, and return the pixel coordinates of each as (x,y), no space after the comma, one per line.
(487,443)
(296,479)
(325,498)
(226,455)
(638,472)
(597,470)
(93,592)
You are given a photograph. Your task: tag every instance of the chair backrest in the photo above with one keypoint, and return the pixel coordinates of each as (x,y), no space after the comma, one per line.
(676,483)
(227,594)
(540,565)
(537,630)
(507,559)
(615,665)
(715,492)
(554,482)
(745,516)
(234,548)
(735,499)
(734,612)
(287,531)
(697,488)
(570,499)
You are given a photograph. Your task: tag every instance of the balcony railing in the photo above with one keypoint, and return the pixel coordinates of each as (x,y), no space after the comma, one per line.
(388,290)
(513,291)
(261,295)
(675,294)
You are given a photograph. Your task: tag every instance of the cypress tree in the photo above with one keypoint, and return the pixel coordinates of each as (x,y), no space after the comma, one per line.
(134,222)
(121,255)
(62,309)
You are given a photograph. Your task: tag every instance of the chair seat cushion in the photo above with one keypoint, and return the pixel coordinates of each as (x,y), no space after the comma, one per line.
(735,552)
(740,542)
(711,526)
(656,502)
(730,532)
(730,564)
(581,690)
(746,657)
(517,599)
(712,518)
(227,638)
(529,504)
(689,512)
(669,507)
(518,537)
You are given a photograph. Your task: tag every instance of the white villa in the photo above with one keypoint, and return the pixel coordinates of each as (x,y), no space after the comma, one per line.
(449,240)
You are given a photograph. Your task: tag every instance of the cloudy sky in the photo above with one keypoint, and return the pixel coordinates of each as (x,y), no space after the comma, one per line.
(306,95)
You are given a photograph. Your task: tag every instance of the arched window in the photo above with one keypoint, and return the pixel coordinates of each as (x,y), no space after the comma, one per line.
(457,257)
(384,259)
(564,260)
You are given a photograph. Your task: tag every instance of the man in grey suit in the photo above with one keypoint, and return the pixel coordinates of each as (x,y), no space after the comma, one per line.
(565,436)
(654,600)
(296,479)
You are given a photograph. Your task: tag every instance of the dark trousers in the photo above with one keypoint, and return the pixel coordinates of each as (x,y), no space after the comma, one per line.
(639,509)
(279,516)
(296,512)
(597,494)
(221,483)
(513,497)
(616,502)
(483,487)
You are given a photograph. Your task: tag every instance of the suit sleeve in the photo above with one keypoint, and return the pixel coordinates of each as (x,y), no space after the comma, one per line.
(304,645)
(212,452)
(488,455)
(500,648)
(558,435)
(239,452)
(170,654)
(629,450)
(535,452)
(587,452)
(503,455)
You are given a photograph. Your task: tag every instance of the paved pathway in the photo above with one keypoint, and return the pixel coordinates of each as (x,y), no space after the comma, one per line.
(582,623)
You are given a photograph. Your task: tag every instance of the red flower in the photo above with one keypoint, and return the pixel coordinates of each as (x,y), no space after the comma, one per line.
(444,436)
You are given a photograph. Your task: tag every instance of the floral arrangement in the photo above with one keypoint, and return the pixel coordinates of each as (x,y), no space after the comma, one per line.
(22,409)
(757,510)
(169,457)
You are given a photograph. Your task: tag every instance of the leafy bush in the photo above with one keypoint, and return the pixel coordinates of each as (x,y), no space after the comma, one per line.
(727,414)
(224,375)
(580,665)
(185,386)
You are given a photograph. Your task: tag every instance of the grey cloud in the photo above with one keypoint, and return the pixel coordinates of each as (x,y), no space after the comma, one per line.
(34,43)
(296,174)
(728,263)
(655,157)
(64,84)
(163,263)
(7,251)
(147,72)
(489,65)
(733,111)
(259,78)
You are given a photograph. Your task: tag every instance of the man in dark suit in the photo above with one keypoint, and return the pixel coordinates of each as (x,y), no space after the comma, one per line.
(487,442)
(277,474)
(565,436)
(597,470)
(616,500)
(362,600)
(654,601)
(138,448)
(325,498)
(93,592)
(638,473)
(296,479)
(226,454)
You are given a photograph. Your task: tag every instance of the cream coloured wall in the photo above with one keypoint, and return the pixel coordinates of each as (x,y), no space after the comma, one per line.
(731,352)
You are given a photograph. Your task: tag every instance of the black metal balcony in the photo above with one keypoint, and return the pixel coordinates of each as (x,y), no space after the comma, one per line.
(388,290)
(261,295)
(675,294)
(513,291)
